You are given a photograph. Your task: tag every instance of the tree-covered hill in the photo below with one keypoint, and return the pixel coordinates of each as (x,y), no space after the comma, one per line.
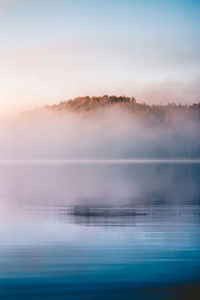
(107,127)
(94,104)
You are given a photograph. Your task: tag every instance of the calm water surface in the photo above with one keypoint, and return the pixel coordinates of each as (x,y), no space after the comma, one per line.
(100,231)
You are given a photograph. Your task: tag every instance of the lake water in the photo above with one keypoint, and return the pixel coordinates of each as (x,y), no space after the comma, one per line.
(100,230)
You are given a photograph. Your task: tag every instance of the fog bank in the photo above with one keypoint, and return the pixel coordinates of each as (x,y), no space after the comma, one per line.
(106,134)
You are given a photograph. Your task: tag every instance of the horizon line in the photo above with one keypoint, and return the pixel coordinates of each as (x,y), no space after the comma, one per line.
(101,161)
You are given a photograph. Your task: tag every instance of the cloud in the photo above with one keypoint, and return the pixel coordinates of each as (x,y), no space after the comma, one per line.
(169,91)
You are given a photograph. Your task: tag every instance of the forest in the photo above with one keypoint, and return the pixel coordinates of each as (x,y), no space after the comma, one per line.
(107,127)
(161,112)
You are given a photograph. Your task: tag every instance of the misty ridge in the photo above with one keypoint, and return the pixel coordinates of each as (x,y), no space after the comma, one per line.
(107,127)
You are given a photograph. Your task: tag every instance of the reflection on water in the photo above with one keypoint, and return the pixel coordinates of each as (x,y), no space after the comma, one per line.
(100,231)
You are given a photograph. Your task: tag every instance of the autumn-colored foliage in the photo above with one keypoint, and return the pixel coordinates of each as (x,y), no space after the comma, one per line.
(160,112)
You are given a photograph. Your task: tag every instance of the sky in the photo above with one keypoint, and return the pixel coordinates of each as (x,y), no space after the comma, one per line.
(53,50)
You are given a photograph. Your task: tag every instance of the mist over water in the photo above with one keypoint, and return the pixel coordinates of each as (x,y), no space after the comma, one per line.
(106,134)
(80,218)
(99,193)
(115,184)
(50,250)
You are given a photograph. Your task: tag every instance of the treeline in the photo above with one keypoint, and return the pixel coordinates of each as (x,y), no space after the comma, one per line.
(107,127)
(94,104)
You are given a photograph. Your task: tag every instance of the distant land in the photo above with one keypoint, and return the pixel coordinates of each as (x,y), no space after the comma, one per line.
(95,104)
(103,128)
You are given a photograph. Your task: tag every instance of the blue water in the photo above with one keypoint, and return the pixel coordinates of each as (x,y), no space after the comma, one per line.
(49,251)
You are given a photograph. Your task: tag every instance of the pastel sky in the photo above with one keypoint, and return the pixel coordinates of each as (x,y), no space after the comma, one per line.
(51,50)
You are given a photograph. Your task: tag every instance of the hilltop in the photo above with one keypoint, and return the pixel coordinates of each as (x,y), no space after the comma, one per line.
(94,104)
(107,127)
